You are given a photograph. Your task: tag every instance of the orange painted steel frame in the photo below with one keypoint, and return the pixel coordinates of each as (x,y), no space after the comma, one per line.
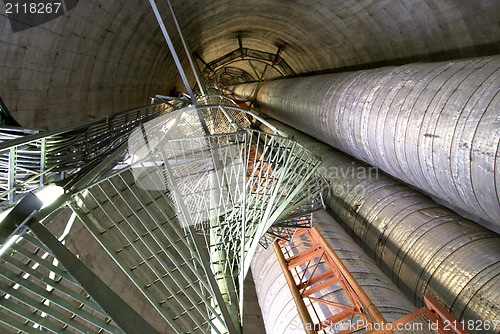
(316,248)
(436,313)
(445,317)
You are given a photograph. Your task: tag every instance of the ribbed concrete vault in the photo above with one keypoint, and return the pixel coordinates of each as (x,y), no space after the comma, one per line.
(105,56)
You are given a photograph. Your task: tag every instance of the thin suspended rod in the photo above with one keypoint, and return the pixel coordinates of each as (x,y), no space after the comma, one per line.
(172,51)
(194,66)
(178,63)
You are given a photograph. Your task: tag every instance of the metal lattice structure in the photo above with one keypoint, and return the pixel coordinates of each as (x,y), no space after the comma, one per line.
(140,230)
(32,158)
(313,270)
(38,295)
(201,190)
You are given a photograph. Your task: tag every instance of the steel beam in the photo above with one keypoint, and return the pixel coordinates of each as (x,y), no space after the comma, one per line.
(122,314)
(194,66)
(299,302)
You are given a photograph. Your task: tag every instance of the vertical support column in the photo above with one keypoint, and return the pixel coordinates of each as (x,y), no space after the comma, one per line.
(243,228)
(43,152)
(11,179)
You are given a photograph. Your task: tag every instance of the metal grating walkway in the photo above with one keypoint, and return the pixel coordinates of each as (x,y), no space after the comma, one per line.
(38,295)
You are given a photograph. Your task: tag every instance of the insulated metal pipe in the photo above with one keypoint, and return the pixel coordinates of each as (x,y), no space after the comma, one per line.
(422,246)
(279,312)
(435,126)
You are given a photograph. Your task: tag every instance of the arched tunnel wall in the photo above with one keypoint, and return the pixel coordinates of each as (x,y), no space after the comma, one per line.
(422,246)
(435,126)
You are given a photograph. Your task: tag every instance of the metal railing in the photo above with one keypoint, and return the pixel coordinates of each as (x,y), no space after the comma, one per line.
(28,161)
(140,230)
(203,200)
(183,216)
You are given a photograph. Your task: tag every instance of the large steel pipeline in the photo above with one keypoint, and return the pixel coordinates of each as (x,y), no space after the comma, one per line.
(278,308)
(435,126)
(422,246)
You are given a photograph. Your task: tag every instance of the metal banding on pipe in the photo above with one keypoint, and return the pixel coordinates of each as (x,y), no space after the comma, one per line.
(278,308)
(435,126)
(422,246)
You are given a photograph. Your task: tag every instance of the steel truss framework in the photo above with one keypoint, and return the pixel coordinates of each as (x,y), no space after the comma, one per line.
(245,65)
(182,217)
(39,295)
(30,158)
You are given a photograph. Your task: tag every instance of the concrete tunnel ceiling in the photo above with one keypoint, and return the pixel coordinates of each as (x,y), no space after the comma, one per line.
(106,56)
